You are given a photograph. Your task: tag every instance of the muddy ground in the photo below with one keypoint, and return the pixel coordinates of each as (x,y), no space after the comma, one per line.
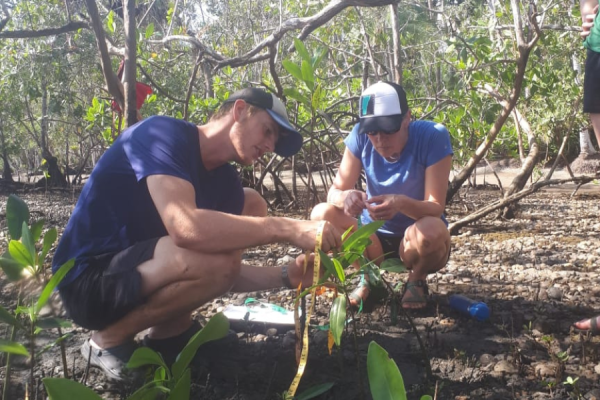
(538,273)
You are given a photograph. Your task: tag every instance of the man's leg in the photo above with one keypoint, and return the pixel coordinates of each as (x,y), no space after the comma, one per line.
(424,250)
(254,204)
(595,118)
(174,283)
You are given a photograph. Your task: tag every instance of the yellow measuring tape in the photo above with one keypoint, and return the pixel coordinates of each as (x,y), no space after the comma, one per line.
(304,353)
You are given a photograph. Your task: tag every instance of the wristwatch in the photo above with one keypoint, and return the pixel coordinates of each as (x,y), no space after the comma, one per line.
(285,278)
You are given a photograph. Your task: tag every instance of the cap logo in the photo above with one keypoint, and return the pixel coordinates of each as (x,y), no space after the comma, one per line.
(365,104)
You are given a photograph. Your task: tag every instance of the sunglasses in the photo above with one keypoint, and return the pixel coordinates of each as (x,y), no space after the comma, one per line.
(375,133)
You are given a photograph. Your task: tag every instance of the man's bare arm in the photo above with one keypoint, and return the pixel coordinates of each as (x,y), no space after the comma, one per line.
(214,232)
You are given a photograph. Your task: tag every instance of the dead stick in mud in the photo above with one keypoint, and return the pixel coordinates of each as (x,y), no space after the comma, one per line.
(456,226)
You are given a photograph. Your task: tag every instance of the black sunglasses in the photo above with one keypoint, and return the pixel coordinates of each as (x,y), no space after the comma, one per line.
(374,133)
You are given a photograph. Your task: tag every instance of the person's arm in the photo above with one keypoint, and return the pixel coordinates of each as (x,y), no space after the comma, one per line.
(588,8)
(214,232)
(342,193)
(384,207)
(254,278)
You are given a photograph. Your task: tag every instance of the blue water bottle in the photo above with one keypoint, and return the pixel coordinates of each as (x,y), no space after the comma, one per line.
(476,309)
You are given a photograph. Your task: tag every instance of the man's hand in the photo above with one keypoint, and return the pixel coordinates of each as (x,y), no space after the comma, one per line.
(354,203)
(588,23)
(296,271)
(384,207)
(305,236)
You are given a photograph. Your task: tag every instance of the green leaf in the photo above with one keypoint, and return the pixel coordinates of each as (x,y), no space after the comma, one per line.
(27,240)
(296,95)
(149,391)
(66,389)
(160,374)
(327,263)
(110,22)
(13,269)
(149,30)
(316,98)
(393,265)
(51,323)
(337,318)
(345,235)
(426,397)
(339,270)
(7,346)
(19,253)
(385,379)
(293,69)
(145,356)
(49,239)
(8,318)
(17,212)
(363,232)
(216,328)
(182,388)
(36,230)
(314,391)
(53,283)
(299,45)
(308,75)
(316,60)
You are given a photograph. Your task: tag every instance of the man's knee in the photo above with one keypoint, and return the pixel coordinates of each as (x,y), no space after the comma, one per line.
(323,212)
(254,204)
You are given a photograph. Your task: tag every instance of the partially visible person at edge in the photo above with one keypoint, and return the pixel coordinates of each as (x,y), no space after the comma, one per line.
(161,224)
(407,164)
(591,98)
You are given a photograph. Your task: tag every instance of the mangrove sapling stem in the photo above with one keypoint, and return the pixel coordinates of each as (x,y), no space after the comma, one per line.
(63,355)
(32,349)
(414,328)
(356,353)
(13,335)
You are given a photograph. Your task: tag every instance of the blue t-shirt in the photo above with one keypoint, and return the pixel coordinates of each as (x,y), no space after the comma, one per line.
(427,144)
(115,210)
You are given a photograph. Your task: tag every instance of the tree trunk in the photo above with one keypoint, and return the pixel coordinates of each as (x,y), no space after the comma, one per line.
(524,49)
(6,170)
(55,176)
(527,167)
(130,59)
(397,67)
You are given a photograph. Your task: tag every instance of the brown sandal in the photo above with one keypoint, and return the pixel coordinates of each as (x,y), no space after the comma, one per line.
(416,296)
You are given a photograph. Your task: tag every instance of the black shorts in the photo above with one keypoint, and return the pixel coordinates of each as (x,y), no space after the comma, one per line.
(591,83)
(390,245)
(109,288)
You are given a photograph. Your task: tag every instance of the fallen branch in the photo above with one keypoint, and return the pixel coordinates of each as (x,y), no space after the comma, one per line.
(456,226)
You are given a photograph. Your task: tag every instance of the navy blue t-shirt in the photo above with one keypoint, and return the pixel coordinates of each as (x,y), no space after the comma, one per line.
(115,210)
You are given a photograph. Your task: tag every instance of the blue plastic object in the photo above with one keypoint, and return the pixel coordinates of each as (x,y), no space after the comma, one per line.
(476,309)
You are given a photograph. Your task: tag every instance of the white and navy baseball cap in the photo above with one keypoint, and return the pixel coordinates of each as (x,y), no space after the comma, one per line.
(290,140)
(382,107)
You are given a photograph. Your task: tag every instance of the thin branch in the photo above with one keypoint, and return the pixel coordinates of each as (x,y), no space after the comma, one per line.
(25,34)
(158,87)
(273,70)
(456,226)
